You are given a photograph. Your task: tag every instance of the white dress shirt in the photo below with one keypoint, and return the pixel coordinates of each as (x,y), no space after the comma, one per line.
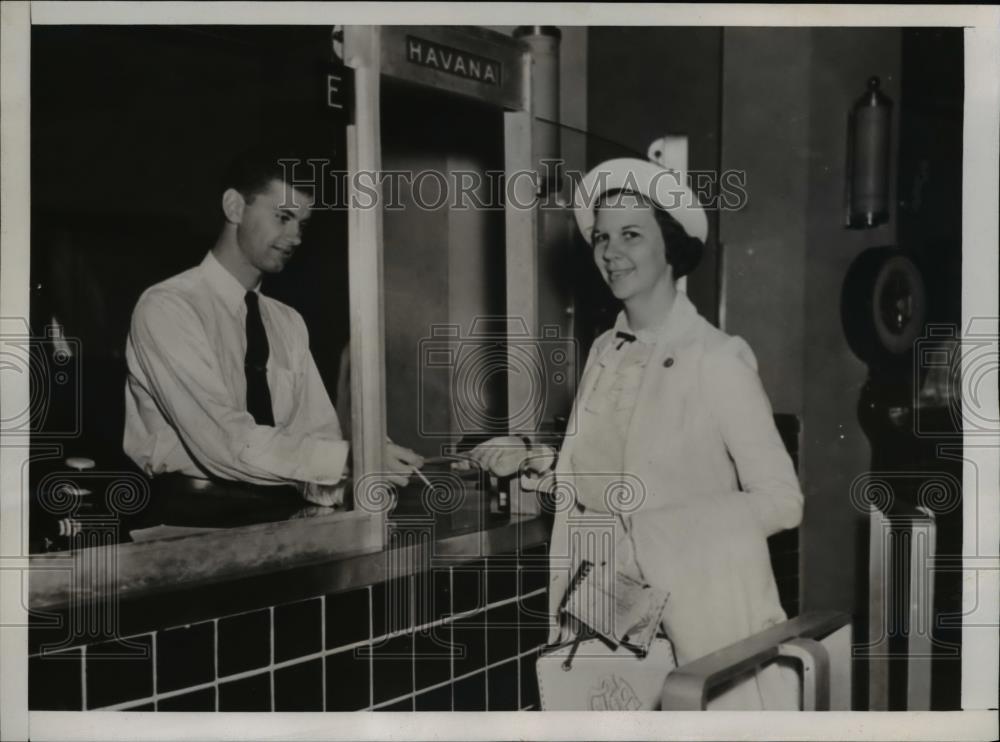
(185,397)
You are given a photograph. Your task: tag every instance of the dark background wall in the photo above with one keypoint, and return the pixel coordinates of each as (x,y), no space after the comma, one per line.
(787,94)
(131,130)
(835,449)
(765,134)
(930,225)
(645,83)
(930,163)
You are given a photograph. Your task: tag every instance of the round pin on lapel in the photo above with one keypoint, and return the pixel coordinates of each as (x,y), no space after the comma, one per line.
(667,363)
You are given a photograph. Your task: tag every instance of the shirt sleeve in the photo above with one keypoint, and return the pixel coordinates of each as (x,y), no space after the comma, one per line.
(170,347)
(739,404)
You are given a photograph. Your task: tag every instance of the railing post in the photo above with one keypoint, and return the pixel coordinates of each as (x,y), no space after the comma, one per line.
(815,671)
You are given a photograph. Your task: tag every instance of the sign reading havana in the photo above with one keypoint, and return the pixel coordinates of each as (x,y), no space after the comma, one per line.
(453,61)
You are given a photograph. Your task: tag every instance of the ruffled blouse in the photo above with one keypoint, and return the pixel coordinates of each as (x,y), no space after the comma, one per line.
(599,453)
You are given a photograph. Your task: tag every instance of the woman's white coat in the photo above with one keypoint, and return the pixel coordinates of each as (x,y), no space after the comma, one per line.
(715,481)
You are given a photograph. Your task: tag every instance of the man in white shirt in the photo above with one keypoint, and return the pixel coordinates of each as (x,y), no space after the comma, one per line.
(221,383)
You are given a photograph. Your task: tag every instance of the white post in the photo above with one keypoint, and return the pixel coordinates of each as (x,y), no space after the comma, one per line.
(364,160)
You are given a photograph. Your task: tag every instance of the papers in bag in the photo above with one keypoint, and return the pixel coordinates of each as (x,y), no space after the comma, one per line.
(618,607)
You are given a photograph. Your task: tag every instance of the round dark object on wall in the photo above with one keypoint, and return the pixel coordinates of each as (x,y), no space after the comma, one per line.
(883,305)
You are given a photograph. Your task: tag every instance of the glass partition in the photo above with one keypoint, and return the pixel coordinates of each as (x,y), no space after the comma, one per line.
(127,164)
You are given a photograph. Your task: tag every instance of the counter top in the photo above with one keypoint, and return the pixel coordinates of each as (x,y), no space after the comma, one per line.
(304,556)
(307,551)
(173,504)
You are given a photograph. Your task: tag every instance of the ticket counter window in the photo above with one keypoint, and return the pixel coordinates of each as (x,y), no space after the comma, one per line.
(126,166)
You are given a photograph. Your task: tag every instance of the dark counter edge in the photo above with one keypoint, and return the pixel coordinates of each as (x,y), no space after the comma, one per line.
(147,598)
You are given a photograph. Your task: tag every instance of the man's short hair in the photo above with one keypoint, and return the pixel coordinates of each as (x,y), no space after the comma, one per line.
(252,171)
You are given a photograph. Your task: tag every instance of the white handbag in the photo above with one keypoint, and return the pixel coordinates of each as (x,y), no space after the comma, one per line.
(587,674)
(617,661)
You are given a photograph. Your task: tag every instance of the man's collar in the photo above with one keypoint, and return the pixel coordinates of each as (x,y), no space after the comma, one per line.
(224,283)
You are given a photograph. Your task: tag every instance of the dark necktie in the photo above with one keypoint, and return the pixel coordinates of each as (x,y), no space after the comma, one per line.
(258,394)
(624,337)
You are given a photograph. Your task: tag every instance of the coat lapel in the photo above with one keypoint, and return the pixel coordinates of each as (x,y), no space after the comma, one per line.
(659,408)
(592,370)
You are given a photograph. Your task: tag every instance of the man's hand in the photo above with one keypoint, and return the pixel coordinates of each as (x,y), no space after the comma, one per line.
(400,463)
(325,495)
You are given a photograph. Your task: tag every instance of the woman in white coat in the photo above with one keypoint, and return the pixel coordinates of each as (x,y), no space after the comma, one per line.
(673,409)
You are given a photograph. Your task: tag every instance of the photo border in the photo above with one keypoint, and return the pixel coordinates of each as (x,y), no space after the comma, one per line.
(980,270)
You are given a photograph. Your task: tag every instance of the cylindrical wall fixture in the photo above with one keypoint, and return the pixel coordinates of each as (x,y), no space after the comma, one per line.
(544,44)
(868,150)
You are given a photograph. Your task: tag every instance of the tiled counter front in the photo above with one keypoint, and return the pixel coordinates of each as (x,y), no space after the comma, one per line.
(461,637)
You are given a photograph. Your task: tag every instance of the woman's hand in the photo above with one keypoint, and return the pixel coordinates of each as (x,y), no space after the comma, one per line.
(501,456)
(533,481)
(505,456)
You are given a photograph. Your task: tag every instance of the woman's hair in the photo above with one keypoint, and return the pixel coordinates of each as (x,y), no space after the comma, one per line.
(683,250)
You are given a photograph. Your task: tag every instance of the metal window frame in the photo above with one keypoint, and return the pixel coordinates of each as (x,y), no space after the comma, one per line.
(373,51)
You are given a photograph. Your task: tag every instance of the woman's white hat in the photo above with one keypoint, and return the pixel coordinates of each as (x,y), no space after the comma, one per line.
(667,187)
